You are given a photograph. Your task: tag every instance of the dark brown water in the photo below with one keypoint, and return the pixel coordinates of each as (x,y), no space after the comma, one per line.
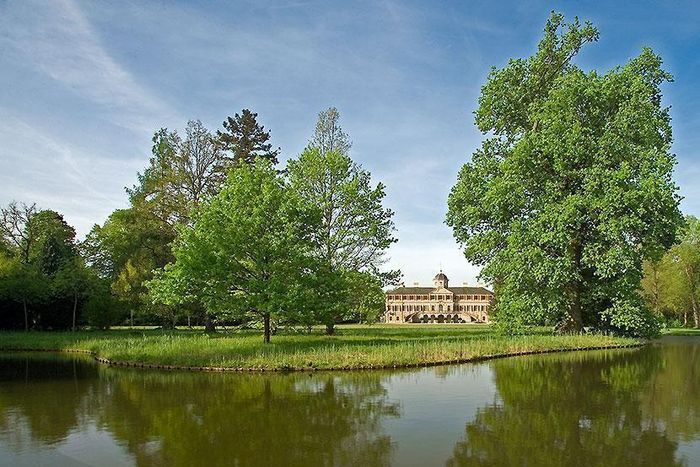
(608,408)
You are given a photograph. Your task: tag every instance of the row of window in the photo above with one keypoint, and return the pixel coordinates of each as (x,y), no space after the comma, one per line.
(442,319)
(437,297)
(439,308)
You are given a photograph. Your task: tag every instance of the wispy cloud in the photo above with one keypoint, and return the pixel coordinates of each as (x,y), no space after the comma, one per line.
(34,167)
(57,39)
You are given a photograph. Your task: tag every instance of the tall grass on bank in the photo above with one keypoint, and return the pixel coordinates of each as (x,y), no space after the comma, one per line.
(354,347)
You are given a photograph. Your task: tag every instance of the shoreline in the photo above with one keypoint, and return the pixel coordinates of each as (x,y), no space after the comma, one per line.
(222,369)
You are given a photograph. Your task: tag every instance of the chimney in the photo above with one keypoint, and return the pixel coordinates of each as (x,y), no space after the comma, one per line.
(416,284)
(465,284)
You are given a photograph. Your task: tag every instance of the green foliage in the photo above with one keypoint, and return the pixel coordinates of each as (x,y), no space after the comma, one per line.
(245,140)
(328,135)
(572,190)
(43,279)
(354,229)
(127,248)
(247,252)
(671,285)
(102,308)
(182,174)
(366,298)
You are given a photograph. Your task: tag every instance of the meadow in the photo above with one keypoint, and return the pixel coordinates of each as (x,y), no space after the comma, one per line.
(353,347)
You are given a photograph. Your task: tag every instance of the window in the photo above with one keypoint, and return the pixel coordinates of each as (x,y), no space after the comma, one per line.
(432,307)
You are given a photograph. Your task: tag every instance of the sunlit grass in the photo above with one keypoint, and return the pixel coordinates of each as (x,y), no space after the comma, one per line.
(353,346)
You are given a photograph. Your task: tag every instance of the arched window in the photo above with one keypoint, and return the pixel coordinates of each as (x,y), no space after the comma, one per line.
(439,307)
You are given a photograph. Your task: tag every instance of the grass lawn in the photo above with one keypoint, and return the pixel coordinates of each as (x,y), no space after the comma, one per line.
(353,347)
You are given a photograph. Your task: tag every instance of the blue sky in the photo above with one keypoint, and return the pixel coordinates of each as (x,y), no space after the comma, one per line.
(83,86)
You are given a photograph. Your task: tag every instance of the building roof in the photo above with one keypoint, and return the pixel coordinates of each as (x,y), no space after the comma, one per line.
(428,290)
(440,277)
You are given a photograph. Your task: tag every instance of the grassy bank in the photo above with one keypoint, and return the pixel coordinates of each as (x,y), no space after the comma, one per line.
(354,347)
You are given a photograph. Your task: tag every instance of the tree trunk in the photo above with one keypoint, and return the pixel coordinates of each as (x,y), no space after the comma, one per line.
(266,324)
(208,323)
(26,314)
(330,329)
(574,320)
(75,307)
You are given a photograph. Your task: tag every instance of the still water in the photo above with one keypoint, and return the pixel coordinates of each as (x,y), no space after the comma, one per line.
(623,407)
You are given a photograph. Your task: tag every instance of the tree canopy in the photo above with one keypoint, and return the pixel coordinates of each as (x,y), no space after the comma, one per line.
(355,229)
(244,139)
(248,252)
(572,187)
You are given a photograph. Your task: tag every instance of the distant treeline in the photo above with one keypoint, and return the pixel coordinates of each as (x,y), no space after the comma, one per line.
(672,284)
(214,233)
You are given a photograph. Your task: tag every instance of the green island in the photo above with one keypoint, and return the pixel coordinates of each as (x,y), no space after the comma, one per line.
(353,347)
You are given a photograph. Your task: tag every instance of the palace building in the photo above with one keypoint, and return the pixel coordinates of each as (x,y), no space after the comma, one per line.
(438,304)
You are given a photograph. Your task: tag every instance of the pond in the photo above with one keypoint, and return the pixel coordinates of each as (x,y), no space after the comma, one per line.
(615,407)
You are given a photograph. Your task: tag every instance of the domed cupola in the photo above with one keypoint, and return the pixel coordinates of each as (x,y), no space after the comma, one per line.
(440,280)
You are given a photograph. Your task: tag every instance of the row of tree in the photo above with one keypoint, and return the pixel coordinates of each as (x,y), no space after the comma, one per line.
(214,232)
(43,276)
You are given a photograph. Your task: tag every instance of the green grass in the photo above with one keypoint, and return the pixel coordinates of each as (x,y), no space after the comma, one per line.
(353,347)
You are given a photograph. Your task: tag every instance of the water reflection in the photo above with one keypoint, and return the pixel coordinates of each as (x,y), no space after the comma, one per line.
(631,407)
(599,408)
(197,419)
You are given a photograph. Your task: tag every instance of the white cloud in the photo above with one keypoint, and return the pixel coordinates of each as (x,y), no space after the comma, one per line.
(34,167)
(57,40)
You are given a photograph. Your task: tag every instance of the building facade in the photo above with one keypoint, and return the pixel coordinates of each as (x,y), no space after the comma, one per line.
(438,304)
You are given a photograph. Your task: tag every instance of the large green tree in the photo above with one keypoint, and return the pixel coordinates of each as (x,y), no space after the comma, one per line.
(247,253)
(182,174)
(355,228)
(572,189)
(125,250)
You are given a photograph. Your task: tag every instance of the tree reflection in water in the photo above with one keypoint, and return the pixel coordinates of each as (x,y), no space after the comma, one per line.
(594,408)
(624,407)
(206,419)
